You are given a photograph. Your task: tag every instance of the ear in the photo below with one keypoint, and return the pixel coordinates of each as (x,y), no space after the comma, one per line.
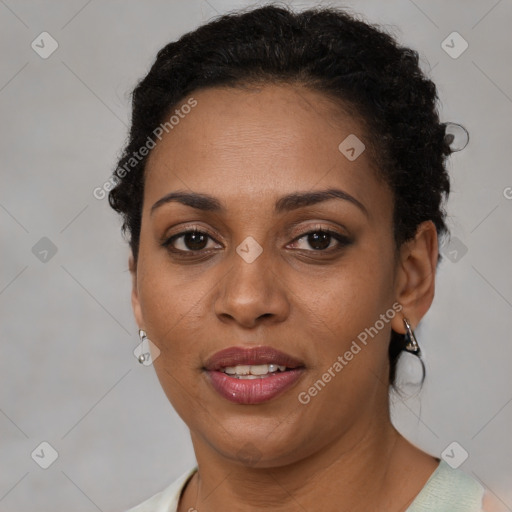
(137,311)
(415,279)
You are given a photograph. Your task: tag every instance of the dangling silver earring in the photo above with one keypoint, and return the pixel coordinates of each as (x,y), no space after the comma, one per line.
(145,353)
(412,344)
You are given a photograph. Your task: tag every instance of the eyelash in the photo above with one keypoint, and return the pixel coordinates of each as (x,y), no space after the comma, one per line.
(343,241)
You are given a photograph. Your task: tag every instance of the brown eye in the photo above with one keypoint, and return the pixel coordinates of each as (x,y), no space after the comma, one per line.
(195,240)
(321,240)
(188,241)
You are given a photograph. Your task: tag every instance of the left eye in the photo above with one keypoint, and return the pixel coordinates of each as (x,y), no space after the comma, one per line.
(321,239)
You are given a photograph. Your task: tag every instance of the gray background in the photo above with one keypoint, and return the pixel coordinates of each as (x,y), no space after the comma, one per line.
(68,375)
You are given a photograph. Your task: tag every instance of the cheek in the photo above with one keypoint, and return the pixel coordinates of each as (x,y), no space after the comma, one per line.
(352,296)
(345,312)
(170,299)
(350,348)
(171,311)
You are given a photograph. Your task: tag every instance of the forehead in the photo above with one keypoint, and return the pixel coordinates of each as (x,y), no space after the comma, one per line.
(262,142)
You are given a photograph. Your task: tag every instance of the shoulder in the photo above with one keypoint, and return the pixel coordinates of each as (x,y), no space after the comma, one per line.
(166,500)
(148,505)
(449,490)
(491,504)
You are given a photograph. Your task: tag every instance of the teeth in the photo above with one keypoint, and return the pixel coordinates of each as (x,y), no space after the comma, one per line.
(238,370)
(259,369)
(252,371)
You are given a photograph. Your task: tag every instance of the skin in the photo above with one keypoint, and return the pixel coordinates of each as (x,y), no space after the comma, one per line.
(247,148)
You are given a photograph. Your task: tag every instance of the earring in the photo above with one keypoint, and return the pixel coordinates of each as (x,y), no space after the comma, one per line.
(145,354)
(412,343)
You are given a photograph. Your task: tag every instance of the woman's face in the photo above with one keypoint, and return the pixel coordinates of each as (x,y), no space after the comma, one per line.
(254,277)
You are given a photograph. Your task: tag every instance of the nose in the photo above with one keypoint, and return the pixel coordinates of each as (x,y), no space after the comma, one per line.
(252,293)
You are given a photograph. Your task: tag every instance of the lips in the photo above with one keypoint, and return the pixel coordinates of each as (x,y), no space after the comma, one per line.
(234,356)
(256,390)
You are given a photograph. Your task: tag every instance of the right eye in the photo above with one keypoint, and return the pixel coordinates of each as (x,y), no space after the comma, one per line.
(188,241)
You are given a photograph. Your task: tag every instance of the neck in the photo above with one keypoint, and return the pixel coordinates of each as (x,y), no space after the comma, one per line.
(355,472)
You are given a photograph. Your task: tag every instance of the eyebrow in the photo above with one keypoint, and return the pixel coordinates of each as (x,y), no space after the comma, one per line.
(284,204)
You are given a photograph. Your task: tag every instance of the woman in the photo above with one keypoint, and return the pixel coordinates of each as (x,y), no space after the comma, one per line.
(283,190)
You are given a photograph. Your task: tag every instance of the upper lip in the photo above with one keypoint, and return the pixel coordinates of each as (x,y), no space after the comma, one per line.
(234,356)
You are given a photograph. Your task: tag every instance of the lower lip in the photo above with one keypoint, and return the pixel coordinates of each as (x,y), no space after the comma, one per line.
(253,391)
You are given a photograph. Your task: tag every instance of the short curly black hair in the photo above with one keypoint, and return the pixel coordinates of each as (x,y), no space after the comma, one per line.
(325,49)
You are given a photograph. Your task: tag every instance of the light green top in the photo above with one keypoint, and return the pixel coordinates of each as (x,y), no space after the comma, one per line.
(447,490)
